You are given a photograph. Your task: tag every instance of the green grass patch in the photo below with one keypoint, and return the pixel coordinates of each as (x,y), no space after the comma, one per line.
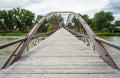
(107,34)
(13,34)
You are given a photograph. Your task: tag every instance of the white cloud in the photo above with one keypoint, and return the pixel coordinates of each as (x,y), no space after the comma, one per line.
(89,7)
(43,6)
(12,3)
(114,7)
(117,16)
(63,5)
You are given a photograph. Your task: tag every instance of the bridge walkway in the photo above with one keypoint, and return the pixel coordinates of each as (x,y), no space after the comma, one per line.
(61,55)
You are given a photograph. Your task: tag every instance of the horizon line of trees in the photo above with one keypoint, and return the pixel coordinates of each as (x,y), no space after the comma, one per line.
(16,20)
(101,22)
(22,20)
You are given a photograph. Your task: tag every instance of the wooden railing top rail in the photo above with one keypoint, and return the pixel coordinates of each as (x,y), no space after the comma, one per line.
(97,38)
(108,43)
(22,39)
(79,34)
(12,43)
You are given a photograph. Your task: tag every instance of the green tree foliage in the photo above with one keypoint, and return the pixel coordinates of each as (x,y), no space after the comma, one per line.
(16,20)
(102,21)
(56,20)
(77,26)
(41,28)
(23,19)
(6,23)
(38,17)
(3,27)
(117,23)
(87,19)
(50,23)
(44,27)
(51,28)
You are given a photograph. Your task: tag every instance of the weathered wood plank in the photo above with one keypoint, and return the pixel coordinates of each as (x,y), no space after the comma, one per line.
(61,55)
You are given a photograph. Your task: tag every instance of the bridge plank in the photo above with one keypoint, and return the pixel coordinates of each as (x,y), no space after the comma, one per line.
(61,55)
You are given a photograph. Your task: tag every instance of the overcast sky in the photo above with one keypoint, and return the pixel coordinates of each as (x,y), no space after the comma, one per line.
(81,6)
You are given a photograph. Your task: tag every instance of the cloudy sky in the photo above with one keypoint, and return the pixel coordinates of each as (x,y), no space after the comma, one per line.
(81,6)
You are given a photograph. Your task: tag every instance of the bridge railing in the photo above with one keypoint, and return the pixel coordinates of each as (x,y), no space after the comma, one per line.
(86,39)
(23,43)
(98,44)
(33,42)
(108,43)
(24,38)
(11,43)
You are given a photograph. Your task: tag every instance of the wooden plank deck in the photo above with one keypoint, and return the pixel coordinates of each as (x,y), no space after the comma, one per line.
(61,55)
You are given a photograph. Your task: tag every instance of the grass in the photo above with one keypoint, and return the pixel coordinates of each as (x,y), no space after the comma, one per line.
(107,34)
(13,34)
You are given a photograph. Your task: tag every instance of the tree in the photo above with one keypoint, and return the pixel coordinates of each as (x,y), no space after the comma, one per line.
(87,19)
(56,20)
(117,23)
(38,17)
(78,26)
(16,20)
(3,19)
(23,19)
(9,22)
(102,21)
(6,20)
(76,23)
(44,26)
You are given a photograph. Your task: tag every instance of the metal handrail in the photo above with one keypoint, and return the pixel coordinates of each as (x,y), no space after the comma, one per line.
(12,43)
(108,43)
(113,45)
(97,38)
(21,41)
(2,46)
(80,34)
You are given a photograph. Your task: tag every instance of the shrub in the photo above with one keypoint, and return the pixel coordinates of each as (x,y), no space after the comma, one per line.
(51,28)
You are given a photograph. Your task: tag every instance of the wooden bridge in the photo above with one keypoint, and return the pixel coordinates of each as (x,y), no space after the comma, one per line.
(61,55)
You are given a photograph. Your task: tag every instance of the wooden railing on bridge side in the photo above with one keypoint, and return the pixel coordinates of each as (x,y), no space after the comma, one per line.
(98,39)
(23,40)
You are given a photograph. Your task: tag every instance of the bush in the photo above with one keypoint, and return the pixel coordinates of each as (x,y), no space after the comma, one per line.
(105,30)
(51,28)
